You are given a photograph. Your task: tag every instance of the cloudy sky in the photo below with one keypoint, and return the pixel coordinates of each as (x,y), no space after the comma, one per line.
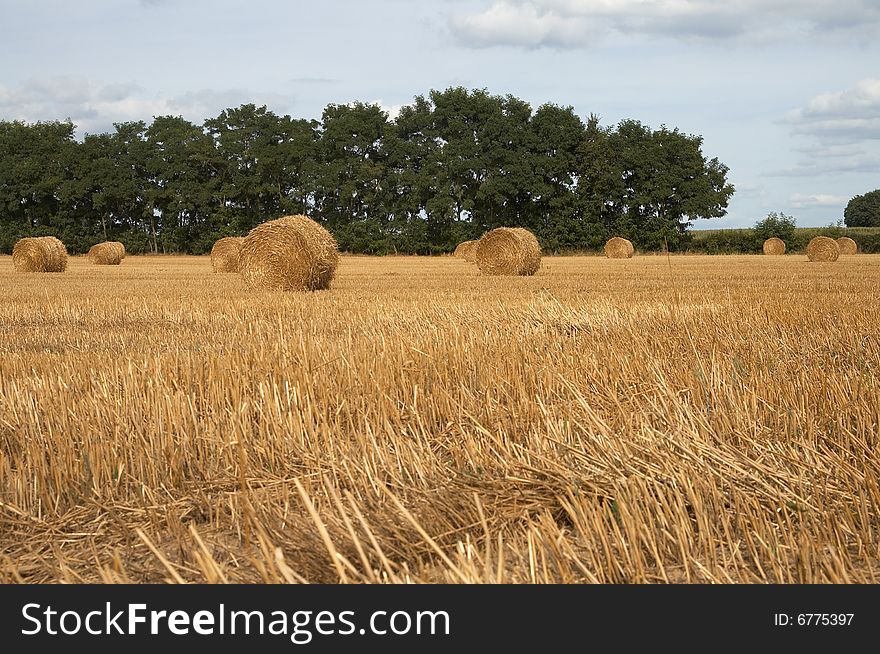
(785,92)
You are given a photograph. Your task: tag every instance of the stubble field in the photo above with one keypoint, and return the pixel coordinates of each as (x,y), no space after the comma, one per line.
(682,419)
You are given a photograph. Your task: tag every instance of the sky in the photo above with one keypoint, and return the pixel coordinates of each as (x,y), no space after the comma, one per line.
(786,93)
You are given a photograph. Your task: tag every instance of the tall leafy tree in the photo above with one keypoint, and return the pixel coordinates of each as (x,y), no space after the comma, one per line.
(863,210)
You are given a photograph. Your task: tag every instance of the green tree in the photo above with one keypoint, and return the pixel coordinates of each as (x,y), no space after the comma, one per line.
(776,225)
(649,185)
(352,190)
(181,164)
(863,210)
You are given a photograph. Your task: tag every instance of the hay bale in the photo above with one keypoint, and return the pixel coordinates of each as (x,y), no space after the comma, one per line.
(30,255)
(57,254)
(618,248)
(39,254)
(774,246)
(466,250)
(119,248)
(823,248)
(847,245)
(290,253)
(224,254)
(508,251)
(107,253)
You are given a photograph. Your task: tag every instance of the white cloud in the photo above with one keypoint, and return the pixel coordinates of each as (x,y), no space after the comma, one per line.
(799,201)
(577,23)
(848,116)
(393,110)
(94,107)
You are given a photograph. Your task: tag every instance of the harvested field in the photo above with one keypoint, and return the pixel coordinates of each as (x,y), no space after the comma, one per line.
(681,419)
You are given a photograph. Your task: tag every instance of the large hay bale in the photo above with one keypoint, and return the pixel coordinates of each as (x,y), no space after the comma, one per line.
(39,254)
(290,253)
(57,254)
(119,248)
(224,254)
(30,254)
(823,248)
(774,246)
(847,245)
(466,250)
(508,251)
(107,253)
(618,248)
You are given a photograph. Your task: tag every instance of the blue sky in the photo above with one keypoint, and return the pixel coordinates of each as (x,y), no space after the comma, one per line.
(785,92)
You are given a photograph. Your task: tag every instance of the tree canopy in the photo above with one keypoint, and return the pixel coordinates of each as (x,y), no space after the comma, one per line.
(451,165)
(863,210)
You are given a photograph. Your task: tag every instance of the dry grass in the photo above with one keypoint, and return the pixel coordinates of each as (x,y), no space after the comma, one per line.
(668,421)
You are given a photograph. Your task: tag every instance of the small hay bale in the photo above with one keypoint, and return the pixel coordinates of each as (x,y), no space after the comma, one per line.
(290,253)
(466,250)
(107,253)
(823,248)
(618,248)
(847,245)
(508,251)
(774,246)
(224,254)
(30,254)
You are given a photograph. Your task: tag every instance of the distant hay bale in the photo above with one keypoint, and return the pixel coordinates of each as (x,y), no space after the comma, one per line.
(618,248)
(466,250)
(823,248)
(774,246)
(508,251)
(847,245)
(39,254)
(108,253)
(292,253)
(224,254)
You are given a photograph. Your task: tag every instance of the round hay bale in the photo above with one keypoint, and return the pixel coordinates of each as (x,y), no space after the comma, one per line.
(466,250)
(618,248)
(106,254)
(774,246)
(57,254)
(823,248)
(508,251)
(533,250)
(119,247)
(30,254)
(292,253)
(224,254)
(847,245)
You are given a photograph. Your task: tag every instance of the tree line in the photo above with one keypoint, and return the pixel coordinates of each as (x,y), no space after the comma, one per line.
(450,166)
